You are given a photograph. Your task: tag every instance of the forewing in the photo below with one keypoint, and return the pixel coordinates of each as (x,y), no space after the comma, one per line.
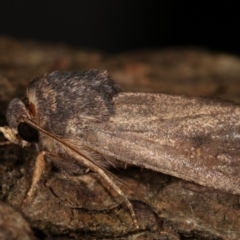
(191,138)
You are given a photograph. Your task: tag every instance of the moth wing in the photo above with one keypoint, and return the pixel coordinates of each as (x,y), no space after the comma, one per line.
(190,138)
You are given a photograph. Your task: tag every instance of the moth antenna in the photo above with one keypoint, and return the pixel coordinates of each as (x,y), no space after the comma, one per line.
(30,122)
(86,160)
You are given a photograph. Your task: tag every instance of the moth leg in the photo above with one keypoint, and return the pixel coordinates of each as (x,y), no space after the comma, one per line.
(108,180)
(73,167)
(5,143)
(121,194)
(69,166)
(37,173)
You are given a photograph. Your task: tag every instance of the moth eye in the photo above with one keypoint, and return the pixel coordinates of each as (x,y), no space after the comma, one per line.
(27,133)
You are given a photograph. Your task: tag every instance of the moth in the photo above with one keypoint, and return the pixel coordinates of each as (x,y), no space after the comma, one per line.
(83,120)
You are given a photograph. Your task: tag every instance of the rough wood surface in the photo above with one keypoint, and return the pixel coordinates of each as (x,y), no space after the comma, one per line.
(12,224)
(80,207)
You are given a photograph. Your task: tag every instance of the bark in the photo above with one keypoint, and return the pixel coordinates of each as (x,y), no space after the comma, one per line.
(12,224)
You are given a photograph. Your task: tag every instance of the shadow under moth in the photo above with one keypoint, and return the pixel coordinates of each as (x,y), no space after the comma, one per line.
(83,120)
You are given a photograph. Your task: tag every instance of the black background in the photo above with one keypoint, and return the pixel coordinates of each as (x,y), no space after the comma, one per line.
(116,26)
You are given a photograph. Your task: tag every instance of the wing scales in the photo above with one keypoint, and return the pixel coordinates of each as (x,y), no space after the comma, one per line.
(199,144)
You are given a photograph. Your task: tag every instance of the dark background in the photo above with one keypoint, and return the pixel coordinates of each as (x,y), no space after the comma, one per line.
(116,26)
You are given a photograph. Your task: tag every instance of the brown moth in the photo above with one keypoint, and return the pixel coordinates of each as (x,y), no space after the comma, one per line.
(83,119)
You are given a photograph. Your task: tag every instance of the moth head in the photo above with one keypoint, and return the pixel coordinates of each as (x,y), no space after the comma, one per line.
(17,131)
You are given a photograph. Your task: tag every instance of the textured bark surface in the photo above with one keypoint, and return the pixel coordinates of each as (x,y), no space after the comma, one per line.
(81,207)
(12,224)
